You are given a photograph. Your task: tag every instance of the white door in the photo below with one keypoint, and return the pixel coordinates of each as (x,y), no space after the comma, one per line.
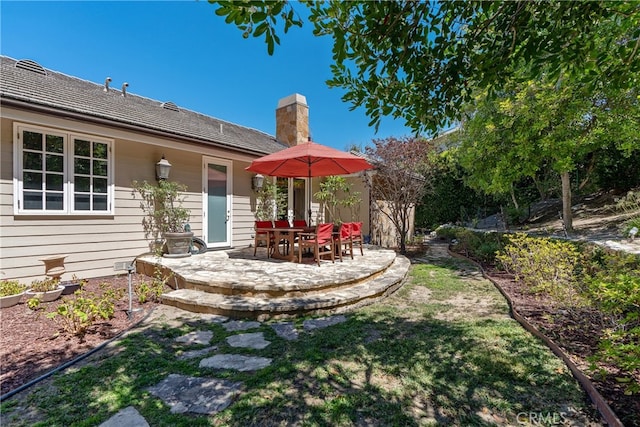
(216,210)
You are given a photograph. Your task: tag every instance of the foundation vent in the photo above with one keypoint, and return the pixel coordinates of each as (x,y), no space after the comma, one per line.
(29,65)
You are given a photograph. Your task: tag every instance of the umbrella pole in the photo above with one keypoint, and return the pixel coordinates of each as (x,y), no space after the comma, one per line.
(310,191)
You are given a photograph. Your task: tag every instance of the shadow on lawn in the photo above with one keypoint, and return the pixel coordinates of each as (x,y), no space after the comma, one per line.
(375,369)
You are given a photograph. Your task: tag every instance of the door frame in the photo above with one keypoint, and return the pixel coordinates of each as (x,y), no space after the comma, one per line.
(206,161)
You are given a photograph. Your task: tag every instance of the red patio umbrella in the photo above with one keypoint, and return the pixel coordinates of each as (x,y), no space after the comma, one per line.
(308,160)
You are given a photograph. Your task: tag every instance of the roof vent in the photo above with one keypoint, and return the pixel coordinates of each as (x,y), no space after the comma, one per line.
(125,85)
(170,106)
(29,65)
(106,84)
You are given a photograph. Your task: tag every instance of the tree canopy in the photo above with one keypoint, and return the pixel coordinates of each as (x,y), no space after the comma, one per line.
(403,176)
(419,61)
(534,125)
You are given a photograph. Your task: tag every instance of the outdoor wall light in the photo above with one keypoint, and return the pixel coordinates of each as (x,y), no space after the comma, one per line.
(162,169)
(256,182)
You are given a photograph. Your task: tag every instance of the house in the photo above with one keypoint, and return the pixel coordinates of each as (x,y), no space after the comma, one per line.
(70,150)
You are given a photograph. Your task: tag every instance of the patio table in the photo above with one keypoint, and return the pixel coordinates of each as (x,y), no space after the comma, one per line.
(283,233)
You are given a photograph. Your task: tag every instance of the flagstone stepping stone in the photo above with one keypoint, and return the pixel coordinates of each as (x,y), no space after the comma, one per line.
(196,337)
(285,330)
(195,394)
(323,322)
(253,340)
(127,417)
(214,318)
(240,325)
(235,361)
(196,353)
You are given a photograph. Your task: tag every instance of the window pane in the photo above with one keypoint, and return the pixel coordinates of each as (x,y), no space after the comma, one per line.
(82,148)
(82,184)
(99,203)
(33,200)
(54,201)
(100,167)
(32,140)
(82,166)
(32,180)
(54,182)
(99,150)
(99,185)
(32,161)
(82,202)
(55,163)
(55,144)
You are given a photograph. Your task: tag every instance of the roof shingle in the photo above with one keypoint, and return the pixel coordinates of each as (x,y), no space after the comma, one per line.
(69,94)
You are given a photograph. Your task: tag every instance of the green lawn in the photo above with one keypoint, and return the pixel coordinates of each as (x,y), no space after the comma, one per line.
(441,351)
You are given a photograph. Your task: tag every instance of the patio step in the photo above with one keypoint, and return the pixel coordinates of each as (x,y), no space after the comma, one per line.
(334,300)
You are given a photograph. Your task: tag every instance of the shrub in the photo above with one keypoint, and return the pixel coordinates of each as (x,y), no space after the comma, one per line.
(149,291)
(11,287)
(478,245)
(619,296)
(146,291)
(627,226)
(83,309)
(448,232)
(544,265)
(45,285)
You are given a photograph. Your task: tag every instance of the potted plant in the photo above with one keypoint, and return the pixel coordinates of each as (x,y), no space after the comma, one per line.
(71,286)
(11,292)
(45,290)
(335,192)
(165,216)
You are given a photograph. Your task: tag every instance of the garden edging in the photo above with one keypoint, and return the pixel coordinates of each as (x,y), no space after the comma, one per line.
(601,404)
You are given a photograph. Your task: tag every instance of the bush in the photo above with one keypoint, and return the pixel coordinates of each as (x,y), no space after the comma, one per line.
(478,245)
(45,285)
(448,232)
(544,265)
(11,287)
(619,296)
(83,309)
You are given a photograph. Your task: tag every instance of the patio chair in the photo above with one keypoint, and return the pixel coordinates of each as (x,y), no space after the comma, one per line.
(342,240)
(321,241)
(266,237)
(300,223)
(356,235)
(283,223)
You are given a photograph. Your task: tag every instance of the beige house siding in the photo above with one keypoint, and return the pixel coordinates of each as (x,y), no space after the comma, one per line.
(94,243)
(242,205)
(361,211)
(138,131)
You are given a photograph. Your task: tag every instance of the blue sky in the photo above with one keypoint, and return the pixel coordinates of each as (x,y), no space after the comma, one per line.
(182,52)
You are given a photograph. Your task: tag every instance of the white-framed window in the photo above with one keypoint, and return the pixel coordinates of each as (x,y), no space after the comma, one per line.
(62,173)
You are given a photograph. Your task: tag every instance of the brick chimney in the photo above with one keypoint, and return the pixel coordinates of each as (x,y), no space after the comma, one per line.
(292,120)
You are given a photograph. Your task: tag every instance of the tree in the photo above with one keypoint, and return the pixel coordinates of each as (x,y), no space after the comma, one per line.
(336,192)
(451,201)
(537,124)
(420,60)
(402,177)
(271,201)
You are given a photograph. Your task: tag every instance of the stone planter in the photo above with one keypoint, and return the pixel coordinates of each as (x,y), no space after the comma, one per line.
(10,300)
(70,287)
(47,296)
(178,244)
